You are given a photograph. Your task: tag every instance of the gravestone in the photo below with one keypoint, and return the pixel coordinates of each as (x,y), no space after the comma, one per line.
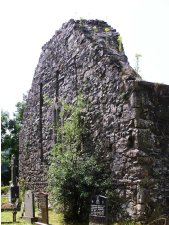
(29,207)
(99,210)
(13,193)
(14,188)
(43,217)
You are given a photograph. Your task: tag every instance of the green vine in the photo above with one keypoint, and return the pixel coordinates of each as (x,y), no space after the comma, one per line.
(22,190)
(119,39)
(47,100)
(106,29)
(80,22)
(95,29)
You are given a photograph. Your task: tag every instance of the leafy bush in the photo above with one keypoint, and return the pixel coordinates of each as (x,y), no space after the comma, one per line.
(75,172)
(4,190)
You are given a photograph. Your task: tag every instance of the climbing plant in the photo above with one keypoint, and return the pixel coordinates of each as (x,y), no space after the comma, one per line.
(81,22)
(95,29)
(119,39)
(106,29)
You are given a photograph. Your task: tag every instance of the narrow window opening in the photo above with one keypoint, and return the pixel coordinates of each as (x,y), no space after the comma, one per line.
(131,141)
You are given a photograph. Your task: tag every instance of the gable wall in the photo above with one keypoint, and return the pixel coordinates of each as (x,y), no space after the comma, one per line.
(127,118)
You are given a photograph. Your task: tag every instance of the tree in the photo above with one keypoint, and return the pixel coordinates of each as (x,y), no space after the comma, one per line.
(9,131)
(20,107)
(75,173)
(10,137)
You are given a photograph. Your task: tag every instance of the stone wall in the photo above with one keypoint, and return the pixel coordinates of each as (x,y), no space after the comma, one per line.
(151,127)
(141,165)
(127,118)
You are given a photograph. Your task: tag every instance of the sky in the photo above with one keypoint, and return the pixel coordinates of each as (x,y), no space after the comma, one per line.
(26,25)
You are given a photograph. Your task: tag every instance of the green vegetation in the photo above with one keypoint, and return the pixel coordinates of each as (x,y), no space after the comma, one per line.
(10,131)
(7,216)
(119,39)
(4,190)
(21,190)
(95,29)
(4,199)
(47,100)
(106,29)
(58,219)
(81,22)
(10,138)
(75,173)
(54,218)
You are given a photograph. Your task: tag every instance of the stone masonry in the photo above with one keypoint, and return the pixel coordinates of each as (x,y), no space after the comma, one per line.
(129,118)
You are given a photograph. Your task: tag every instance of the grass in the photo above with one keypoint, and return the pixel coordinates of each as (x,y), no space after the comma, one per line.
(7,218)
(54,218)
(4,200)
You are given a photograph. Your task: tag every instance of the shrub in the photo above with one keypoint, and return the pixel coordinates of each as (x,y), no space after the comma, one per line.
(75,173)
(4,190)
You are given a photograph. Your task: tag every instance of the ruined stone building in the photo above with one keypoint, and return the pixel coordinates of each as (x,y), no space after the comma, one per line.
(129,117)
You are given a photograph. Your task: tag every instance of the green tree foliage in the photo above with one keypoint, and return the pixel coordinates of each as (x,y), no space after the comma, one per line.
(10,128)
(20,107)
(75,173)
(9,137)
(5,137)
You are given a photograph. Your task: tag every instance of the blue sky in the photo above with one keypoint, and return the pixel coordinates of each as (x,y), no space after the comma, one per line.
(27,24)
